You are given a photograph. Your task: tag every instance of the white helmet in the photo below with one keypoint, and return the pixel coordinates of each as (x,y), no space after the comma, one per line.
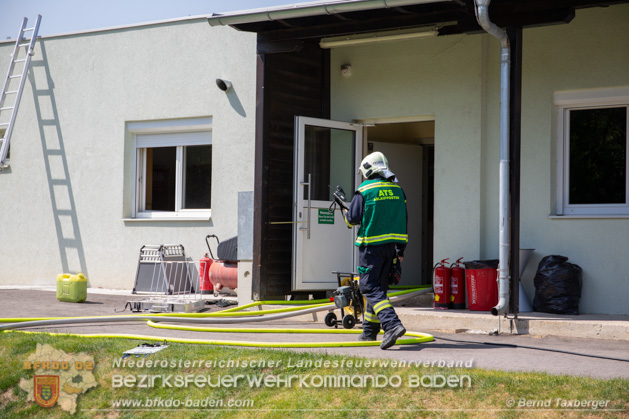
(375,163)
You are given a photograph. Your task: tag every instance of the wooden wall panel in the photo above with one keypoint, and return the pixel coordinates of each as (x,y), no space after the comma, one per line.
(292,83)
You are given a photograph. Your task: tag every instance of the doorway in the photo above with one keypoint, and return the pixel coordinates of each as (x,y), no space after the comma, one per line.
(326,155)
(409,148)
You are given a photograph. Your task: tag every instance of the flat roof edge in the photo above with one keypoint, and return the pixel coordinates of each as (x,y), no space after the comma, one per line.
(316,8)
(115,28)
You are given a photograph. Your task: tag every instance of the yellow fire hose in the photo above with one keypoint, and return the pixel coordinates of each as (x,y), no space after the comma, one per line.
(229,316)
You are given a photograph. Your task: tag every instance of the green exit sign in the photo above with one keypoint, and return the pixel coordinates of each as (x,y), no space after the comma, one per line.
(325,216)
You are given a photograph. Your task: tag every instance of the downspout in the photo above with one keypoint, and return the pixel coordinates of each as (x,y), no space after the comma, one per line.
(482,15)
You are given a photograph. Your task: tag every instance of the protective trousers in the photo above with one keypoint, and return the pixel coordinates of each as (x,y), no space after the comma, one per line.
(374,264)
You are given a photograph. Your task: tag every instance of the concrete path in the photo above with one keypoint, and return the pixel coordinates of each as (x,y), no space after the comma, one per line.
(461,337)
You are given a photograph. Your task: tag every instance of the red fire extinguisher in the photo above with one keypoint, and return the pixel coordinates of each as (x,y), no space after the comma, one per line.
(441,285)
(204,275)
(457,285)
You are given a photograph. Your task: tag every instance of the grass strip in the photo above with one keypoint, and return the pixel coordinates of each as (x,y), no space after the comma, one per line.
(402,391)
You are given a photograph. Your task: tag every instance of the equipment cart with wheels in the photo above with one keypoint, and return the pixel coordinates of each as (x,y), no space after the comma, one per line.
(348,299)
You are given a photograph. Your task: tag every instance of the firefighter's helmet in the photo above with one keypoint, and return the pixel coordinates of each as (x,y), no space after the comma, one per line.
(375,163)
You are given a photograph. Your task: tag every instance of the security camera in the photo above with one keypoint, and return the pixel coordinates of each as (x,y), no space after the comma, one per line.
(224,85)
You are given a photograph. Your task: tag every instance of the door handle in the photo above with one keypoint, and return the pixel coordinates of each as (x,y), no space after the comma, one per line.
(308,184)
(285,222)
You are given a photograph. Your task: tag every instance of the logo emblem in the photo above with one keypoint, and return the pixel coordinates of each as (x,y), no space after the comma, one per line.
(46,390)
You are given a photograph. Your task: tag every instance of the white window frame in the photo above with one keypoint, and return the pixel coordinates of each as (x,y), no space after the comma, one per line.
(178,133)
(566,101)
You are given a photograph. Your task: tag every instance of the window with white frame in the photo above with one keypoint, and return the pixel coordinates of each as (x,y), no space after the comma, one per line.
(593,152)
(173,169)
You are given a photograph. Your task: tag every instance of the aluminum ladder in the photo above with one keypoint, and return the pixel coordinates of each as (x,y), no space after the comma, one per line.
(14,85)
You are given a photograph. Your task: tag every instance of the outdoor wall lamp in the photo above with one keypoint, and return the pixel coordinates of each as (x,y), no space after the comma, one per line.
(224,85)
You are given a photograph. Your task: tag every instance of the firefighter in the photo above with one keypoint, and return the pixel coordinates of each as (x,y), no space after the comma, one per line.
(379,207)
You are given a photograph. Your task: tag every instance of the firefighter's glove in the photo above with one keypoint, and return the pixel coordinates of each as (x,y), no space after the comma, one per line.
(395,274)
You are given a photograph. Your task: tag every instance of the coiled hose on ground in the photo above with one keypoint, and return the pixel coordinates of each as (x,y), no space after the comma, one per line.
(230,316)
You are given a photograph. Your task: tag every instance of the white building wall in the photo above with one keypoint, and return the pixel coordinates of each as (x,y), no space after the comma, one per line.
(456,79)
(87,87)
(90,85)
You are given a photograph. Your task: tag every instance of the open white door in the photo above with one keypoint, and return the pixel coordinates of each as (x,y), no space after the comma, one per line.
(327,154)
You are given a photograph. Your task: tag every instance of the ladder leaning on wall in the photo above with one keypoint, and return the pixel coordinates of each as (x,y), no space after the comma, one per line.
(14,85)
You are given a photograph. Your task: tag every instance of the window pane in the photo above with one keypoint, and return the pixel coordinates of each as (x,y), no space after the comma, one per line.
(160,178)
(197,177)
(329,158)
(598,150)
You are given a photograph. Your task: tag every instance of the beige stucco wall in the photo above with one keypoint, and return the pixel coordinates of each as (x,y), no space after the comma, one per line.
(388,81)
(456,79)
(590,52)
(90,85)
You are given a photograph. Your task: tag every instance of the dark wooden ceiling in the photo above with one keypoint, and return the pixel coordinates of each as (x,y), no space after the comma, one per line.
(455,16)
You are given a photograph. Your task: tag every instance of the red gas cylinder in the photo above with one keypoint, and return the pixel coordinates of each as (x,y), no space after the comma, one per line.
(204,275)
(224,274)
(441,286)
(457,285)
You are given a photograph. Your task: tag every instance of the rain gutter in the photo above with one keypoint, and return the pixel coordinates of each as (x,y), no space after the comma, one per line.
(317,8)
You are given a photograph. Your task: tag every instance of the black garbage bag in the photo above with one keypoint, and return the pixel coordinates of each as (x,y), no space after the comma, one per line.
(557,286)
